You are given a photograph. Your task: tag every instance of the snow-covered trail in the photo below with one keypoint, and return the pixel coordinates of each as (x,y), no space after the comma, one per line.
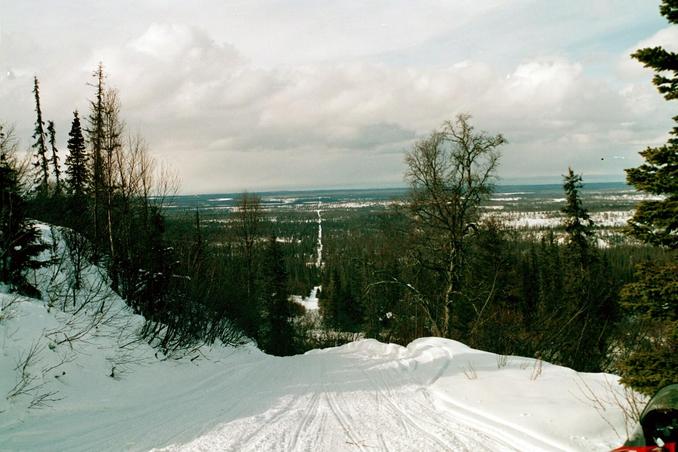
(365,396)
(341,401)
(319,246)
(311,301)
(371,396)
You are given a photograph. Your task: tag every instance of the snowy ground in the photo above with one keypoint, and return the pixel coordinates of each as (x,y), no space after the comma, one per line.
(553,219)
(102,392)
(310,303)
(433,395)
(372,396)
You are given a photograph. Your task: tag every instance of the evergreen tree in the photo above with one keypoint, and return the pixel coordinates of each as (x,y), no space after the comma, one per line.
(656,221)
(279,339)
(589,305)
(40,144)
(77,177)
(578,223)
(77,171)
(329,303)
(156,290)
(651,300)
(55,157)
(19,239)
(198,247)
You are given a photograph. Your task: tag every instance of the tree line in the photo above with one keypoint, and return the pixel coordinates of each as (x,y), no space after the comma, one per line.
(108,195)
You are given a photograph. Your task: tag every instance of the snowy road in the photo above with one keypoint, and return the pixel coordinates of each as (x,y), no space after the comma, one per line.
(433,395)
(330,402)
(370,396)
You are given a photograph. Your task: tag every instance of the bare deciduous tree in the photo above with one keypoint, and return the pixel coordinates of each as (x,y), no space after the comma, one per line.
(450,173)
(249,217)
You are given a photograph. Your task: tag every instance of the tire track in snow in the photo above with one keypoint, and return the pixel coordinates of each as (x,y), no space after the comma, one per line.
(310,417)
(382,441)
(312,426)
(343,401)
(405,418)
(249,440)
(427,421)
(343,421)
(475,436)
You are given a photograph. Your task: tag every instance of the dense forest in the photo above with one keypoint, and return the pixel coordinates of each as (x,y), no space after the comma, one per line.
(431,264)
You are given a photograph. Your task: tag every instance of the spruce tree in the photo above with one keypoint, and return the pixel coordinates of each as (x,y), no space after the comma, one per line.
(19,239)
(651,300)
(77,171)
(76,182)
(656,221)
(40,145)
(578,223)
(589,305)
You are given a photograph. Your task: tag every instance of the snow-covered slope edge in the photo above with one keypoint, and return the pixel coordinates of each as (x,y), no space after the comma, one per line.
(75,376)
(94,387)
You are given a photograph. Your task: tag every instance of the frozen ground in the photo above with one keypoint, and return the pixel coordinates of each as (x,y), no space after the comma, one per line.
(102,391)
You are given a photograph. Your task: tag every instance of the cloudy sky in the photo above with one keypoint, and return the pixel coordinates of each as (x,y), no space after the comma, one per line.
(284,94)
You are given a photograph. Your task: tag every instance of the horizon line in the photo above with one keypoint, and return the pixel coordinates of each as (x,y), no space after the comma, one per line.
(367,188)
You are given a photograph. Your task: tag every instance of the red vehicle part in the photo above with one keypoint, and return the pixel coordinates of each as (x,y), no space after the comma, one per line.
(666,448)
(657,430)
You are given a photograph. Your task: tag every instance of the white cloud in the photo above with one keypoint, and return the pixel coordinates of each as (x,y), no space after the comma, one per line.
(262,94)
(542,82)
(630,69)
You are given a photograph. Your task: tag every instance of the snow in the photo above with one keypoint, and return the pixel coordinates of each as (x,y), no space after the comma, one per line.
(434,395)
(546,219)
(319,247)
(310,303)
(500,199)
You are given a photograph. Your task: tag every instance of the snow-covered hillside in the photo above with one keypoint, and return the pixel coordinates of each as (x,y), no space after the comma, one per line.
(93,387)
